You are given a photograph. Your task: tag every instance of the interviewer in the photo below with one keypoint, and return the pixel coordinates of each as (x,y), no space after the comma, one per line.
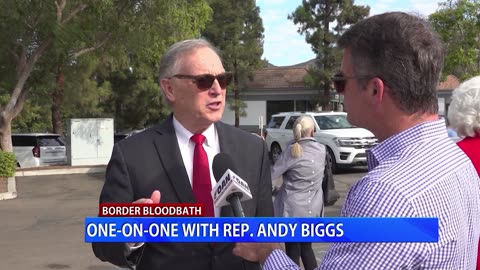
(390,70)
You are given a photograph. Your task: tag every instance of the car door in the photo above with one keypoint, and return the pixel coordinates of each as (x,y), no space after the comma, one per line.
(287,131)
(23,147)
(274,132)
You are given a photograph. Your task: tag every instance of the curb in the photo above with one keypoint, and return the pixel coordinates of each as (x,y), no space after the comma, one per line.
(12,190)
(53,170)
(61,170)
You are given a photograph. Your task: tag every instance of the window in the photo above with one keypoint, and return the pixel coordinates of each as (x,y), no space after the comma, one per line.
(333,122)
(276,122)
(290,122)
(49,141)
(277,106)
(21,140)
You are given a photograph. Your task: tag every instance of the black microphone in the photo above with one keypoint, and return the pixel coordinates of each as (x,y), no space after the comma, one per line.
(230,188)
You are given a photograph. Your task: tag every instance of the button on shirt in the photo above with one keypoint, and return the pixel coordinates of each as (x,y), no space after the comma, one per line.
(187,147)
(419,172)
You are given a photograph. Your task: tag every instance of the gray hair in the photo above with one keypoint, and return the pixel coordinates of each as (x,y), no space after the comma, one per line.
(403,51)
(464,110)
(170,60)
(302,128)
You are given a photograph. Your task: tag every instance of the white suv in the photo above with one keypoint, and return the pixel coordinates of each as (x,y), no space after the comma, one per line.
(344,141)
(39,149)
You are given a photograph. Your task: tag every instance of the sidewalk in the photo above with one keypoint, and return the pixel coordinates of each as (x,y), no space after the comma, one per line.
(11,192)
(54,170)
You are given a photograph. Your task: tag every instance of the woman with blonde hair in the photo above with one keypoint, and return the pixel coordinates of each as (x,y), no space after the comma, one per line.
(464,117)
(302,166)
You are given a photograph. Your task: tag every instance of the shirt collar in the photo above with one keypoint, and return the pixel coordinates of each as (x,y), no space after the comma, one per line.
(306,139)
(425,131)
(184,134)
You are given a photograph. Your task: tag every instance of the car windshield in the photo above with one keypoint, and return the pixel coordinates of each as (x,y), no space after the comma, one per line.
(333,121)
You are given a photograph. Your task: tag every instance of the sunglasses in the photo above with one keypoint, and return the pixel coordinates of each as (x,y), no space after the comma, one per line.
(205,81)
(339,81)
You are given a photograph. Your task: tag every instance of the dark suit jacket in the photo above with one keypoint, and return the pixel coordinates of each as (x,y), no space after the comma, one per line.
(151,160)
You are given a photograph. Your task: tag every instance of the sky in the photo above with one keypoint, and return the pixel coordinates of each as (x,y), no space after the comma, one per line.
(283,46)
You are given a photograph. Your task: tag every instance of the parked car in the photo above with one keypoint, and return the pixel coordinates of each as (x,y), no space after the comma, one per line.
(39,149)
(120,136)
(346,144)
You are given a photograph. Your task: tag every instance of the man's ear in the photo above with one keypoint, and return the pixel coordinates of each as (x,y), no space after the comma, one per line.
(377,89)
(166,87)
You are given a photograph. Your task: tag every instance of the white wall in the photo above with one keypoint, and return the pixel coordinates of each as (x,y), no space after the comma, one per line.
(90,141)
(254,110)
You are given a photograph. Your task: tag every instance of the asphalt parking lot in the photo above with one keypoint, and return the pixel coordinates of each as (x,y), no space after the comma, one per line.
(43,227)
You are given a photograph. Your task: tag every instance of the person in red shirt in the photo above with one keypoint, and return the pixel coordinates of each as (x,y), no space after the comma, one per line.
(464,117)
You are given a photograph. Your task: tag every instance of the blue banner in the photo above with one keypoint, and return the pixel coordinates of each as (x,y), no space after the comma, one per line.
(202,229)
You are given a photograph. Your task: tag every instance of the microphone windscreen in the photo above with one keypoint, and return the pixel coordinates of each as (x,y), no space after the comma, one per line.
(221,163)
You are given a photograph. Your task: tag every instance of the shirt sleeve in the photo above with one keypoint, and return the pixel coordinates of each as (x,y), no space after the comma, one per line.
(375,199)
(278,260)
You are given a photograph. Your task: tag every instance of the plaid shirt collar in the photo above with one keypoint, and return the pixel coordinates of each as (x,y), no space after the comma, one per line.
(397,143)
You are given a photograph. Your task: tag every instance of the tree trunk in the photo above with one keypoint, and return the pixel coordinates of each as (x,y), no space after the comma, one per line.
(237,109)
(5,134)
(236,93)
(326,58)
(57,103)
(326,97)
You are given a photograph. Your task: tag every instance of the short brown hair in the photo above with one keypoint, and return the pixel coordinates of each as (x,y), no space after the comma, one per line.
(405,52)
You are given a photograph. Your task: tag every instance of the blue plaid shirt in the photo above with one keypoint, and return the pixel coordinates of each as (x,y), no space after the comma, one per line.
(419,172)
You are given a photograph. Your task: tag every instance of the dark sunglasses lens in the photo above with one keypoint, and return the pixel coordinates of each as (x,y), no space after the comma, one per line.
(224,80)
(205,82)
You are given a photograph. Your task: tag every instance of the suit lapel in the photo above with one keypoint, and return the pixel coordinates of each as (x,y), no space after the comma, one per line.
(168,150)
(227,146)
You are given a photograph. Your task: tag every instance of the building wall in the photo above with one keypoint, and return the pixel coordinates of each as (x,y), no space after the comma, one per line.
(254,110)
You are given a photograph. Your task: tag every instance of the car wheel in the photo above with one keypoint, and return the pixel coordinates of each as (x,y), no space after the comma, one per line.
(275,152)
(332,160)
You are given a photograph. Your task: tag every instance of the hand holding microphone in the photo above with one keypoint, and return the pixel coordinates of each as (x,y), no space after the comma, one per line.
(230,188)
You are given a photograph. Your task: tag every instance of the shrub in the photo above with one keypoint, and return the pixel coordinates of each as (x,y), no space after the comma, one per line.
(8,164)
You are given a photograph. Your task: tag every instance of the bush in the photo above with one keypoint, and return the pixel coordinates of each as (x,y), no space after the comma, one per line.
(8,164)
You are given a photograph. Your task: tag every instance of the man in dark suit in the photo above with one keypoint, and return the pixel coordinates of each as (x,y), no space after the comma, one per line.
(162,159)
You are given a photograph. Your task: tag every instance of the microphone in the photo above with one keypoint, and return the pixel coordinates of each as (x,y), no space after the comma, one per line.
(230,188)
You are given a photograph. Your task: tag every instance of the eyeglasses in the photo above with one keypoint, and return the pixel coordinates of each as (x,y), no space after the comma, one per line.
(339,81)
(205,81)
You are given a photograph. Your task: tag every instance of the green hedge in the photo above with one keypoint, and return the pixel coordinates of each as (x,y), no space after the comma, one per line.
(8,164)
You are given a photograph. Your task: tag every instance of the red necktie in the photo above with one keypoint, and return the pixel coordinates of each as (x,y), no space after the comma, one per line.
(202,186)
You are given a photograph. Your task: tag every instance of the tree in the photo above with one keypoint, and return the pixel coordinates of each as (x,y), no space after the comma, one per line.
(135,101)
(322,22)
(458,23)
(237,30)
(65,30)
